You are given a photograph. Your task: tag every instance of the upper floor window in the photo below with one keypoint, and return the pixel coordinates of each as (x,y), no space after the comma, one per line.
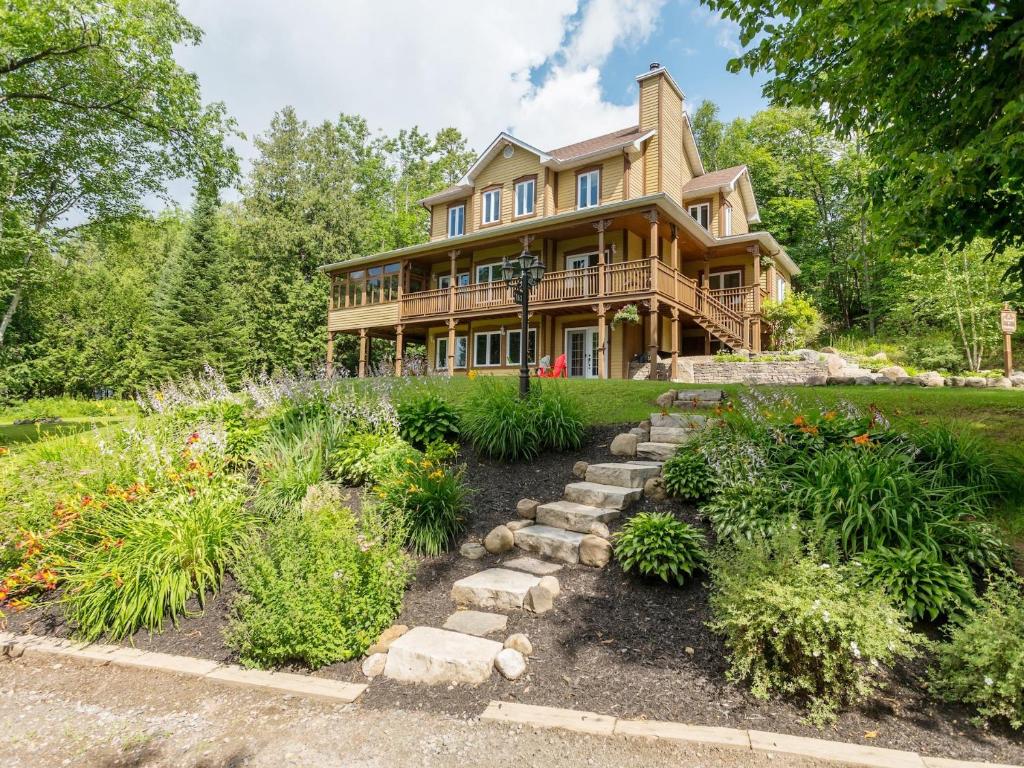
(456,220)
(366,286)
(701,214)
(525,191)
(491,211)
(588,189)
(727,220)
(780,288)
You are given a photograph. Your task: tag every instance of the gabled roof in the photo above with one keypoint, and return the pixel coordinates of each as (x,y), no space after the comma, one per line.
(690,147)
(725,180)
(492,151)
(608,141)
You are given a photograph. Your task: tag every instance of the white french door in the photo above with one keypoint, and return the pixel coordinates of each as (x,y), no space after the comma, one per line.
(581,353)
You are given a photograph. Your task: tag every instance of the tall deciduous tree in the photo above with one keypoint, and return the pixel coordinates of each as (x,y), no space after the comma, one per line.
(935,88)
(95,114)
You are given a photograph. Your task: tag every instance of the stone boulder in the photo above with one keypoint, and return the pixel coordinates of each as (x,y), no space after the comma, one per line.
(516,525)
(816,380)
(836,365)
(579,469)
(624,445)
(892,372)
(472,550)
(595,551)
(519,642)
(527,508)
(1017,379)
(510,663)
(437,656)
(539,599)
(956,381)
(931,379)
(499,540)
(975,381)
(864,381)
(641,434)
(373,664)
(807,355)
(829,351)
(666,399)
(842,381)
(597,528)
(1001,383)
(387,638)
(550,583)
(654,489)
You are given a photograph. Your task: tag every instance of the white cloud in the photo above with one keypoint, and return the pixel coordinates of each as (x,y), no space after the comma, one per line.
(726,31)
(460,62)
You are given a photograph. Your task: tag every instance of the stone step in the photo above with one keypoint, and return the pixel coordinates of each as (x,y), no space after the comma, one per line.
(554,543)
(657,451)
(600,495)
(496,588)
(438,656)
(476,623)
(643,463)
(677,435)
(572,516)
(702,395)
(533,565)
(684,420)
(622,474)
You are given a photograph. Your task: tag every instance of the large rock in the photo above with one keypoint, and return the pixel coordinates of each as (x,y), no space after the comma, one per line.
(499,540)
(842,381)
(553,543)
(595,551)
(579,469)
(654,489)
(532,565)
(657,451)
(956,381)
(527,508)
(666,400)
(373,664)
(1001,383)
(600,495)
(816,380)
(515,525)
(476,623)
(519,642)
(437,656)
(510,663)
(676,435)
(1017,379)
(807,355)
(892,372)
(624,445)
(836,365)
(975,381)
(387,638)
(864,381)
(622,474)
(684,420)
(474,550)
(550,583)
(539,599)
(572,516)
(497,589)
(641,434)
(931,379)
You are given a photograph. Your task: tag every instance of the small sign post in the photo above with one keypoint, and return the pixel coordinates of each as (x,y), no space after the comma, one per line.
(1008,323)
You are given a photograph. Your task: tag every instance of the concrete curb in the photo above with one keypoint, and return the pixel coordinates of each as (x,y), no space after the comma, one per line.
(731,738)
(15,646)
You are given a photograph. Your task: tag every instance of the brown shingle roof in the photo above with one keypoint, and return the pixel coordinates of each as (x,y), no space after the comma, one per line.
(619,138)
(713,179)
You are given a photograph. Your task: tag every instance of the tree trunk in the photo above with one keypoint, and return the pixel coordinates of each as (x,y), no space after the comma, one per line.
(12,306)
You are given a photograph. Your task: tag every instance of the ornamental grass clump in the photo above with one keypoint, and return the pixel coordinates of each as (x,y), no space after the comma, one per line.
(799,626)
(981,661)
(320,587)
(659,545)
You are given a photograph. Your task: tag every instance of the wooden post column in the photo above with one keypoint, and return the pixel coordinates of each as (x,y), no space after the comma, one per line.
(601,225)
(677,264)
(399,354)
(363,343)
(451,347)
(452,280)
(675,344)
(653,247)
(602,342)
(755,324)
(330,354)
(653,323)
(705,282)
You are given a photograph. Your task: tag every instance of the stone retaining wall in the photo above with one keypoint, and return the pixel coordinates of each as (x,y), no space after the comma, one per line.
(707,371)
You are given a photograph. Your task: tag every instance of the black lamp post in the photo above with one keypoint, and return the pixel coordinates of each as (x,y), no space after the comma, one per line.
(522,274)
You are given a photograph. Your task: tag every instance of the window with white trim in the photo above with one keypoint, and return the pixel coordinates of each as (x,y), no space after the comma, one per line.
(588,189)
(491,210)
(525,191)
(441,352)
(780,288)
(727,220)
(462,278)
(456,220)
(486,349)
(701,213)
(512,353)
(488,273)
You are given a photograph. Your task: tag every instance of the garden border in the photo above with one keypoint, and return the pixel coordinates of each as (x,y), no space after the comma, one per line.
(842,752)
(15,646)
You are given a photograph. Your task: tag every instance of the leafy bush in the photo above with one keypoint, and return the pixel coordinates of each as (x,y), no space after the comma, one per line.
(743,511)
(431,500)
(288,465)
(934,353)
(558,415)
(981,662)
(499,423)
(918,580)
(792,322)
(426,419)
(687,476)
(369,457)
(657,544)
(320,588)
(797,626)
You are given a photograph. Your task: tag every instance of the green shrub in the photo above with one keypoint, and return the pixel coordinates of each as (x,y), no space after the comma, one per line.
(965,460)
(499,423)
(792,322)
(319,589)
(288,465)
(796,626)
(426,419)
(138,556)
(917,580)
(369,457)
(981,661)
(934,353)
(687,476)
(657,544)
(558,415)
(431,500)
(743,511)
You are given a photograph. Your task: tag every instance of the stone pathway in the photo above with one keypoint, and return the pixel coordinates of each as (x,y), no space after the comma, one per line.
(571,531)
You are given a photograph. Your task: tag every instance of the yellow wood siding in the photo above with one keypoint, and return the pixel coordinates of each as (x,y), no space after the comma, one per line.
(636,178)
(503,171)
(612,182)
(371,316)
(439,221)
(649,102)
(671,132)
(739,213)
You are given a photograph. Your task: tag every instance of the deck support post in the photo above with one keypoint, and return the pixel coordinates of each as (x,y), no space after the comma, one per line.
(602,341)
(452,280)
(363,344)
(754,337)
(675,344)
(398,348)
(707,342)
(330,354)
(451,347)
(601,225)
(676,263)
(653,244)
(654,321)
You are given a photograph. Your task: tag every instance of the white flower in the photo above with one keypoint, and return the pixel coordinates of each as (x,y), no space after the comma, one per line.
(854,649)
(989,681)
(823,566)
(825,615)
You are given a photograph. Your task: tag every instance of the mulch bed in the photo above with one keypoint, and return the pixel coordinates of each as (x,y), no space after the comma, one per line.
(614,644)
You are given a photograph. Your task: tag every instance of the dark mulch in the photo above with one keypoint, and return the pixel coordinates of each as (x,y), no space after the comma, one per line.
(614,644)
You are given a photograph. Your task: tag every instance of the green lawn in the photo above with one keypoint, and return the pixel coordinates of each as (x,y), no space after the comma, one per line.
(12,434)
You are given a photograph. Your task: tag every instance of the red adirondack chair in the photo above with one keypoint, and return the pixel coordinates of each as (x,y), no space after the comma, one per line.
(558,372)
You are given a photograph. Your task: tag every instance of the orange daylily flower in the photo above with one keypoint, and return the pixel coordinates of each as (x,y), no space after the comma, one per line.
(799,421)
(811,430)
(862,439)
(829,415)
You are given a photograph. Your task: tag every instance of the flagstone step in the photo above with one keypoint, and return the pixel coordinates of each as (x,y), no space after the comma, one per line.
(657,451)
(496,588)
(572,516)
(621,474)
(438,656)
(533,565)
(678,435)
(600,495)
(554,543)
(684,420)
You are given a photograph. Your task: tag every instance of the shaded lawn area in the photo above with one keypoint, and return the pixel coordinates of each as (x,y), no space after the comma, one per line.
(12,434)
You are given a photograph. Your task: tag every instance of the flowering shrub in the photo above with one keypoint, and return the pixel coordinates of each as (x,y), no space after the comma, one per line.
(800,627)
(981,662)
(320,587)
(657,544)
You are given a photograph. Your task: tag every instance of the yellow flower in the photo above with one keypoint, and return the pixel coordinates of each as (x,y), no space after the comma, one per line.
(413,488)
(437,474)
(471,375)
(425,464)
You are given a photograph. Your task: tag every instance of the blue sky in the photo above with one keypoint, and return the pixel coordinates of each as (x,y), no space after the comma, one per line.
(552,71)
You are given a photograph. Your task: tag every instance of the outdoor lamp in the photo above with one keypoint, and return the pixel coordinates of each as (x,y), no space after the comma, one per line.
(523,273)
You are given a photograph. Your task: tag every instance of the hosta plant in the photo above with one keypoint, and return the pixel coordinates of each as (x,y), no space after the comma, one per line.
(687,476)
(658,544)
(744,510)
(917,580)
(427,419)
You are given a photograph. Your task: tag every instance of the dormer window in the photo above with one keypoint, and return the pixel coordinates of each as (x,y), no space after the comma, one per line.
(456,220)
(491,209)
(701,213)
(525,193)
(588,189)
